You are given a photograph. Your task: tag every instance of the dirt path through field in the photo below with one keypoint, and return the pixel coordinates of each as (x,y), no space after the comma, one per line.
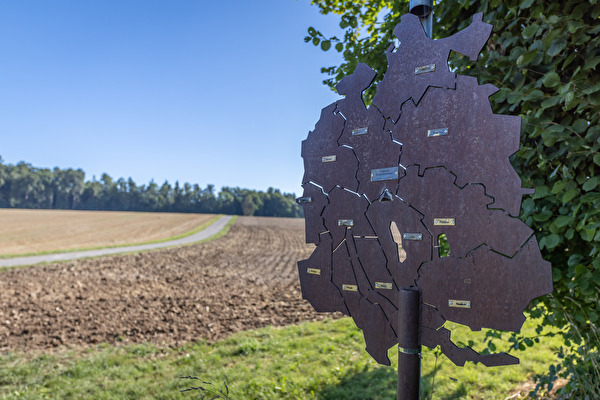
(244,280)
(211,230)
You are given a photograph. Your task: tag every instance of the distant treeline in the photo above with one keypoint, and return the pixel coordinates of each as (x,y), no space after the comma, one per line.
(25,186)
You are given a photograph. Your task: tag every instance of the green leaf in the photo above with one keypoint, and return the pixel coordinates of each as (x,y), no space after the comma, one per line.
(525,4)
(588,234)
(570,195)
(312,31)
(339,47)
(571,101)
(592,89)
(325,45)
(559,186)
(551,79)
(540,192)
(597,159)
(563,220)
(556,47)
(580,125)
(551,102)
(552,240)
(530,31)
(590,184)
(528,205)
(554,19)
(591,63)
(526,58)
(556,274)
(316,41)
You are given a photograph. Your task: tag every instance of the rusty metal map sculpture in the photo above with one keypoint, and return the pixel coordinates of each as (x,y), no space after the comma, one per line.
(381,184)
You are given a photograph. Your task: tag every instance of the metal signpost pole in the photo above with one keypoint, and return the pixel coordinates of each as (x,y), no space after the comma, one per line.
(409,347)
(424,10)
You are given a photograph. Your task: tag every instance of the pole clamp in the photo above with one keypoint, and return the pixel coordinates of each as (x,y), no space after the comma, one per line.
(409,351)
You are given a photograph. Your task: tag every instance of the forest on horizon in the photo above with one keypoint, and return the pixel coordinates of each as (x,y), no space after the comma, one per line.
(25,186)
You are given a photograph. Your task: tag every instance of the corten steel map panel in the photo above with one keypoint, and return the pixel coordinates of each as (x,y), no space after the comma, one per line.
(384,184)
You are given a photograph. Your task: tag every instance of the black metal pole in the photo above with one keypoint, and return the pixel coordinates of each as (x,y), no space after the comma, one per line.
(409,348)
(424,10)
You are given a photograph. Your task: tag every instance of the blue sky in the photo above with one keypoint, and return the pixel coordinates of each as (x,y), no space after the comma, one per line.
(196,91)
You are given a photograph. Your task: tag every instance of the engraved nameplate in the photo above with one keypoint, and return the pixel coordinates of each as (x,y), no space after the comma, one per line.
(328,158)
(459,303)
(444,221)
(412,236)
(424,69)
(437,132)
(314,271)
(360,131)
(304,200)
(345,222)
(383,285)
(350,288)
(384,174)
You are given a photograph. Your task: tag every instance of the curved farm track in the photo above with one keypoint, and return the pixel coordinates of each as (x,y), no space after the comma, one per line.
(245,280)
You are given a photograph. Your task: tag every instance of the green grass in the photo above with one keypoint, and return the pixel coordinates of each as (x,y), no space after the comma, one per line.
(185,234)
(318,360)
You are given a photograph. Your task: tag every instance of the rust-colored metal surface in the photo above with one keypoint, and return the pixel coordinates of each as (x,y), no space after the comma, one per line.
(384,184)
(420,62)
(464,147)
(461,214)
(365,132)
(325,163)
(313,202)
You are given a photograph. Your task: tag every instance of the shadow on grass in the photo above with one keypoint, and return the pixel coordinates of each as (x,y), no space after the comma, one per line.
(380,383)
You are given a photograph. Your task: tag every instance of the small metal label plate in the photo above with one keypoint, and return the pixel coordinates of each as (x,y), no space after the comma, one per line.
(384,285)
(384,174)
(313,271)
(444,221)
(459,303)
(350,288)
(328,158)
(345,222)
(424,69)
(360,131)
(304,200)
(437,132)
(412,236)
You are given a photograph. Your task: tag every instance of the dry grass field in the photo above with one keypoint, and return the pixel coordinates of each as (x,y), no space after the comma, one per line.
(35,231)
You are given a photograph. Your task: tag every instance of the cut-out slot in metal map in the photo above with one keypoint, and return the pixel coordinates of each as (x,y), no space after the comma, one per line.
(383,183)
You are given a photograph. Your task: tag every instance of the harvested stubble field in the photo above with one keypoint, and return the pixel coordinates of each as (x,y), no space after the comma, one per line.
(244,280)
(36,231)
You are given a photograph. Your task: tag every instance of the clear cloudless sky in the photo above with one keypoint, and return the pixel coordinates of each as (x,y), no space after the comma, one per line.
(219,92)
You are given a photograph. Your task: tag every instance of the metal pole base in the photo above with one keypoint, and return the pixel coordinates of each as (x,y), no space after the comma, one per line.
(409,349)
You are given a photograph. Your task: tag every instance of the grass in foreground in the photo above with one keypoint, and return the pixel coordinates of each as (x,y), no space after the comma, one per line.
(318,360)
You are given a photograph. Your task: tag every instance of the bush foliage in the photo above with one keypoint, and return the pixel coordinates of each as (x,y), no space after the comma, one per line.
(544,56)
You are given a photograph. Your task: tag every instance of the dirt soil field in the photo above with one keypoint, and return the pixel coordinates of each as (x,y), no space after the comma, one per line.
(32,231)
(246,279)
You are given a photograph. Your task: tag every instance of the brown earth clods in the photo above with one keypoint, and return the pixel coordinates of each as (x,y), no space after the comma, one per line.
(244,280)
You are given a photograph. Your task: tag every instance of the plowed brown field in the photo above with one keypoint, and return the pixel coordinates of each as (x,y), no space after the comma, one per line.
(244,280)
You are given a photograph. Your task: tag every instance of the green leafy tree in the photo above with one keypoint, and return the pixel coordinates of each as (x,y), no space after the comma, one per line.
(544,56)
